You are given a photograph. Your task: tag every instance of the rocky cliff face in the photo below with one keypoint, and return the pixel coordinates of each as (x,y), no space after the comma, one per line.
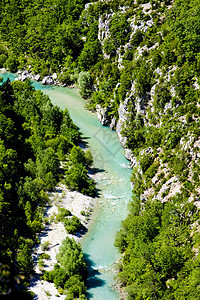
(123,117)
(154,95)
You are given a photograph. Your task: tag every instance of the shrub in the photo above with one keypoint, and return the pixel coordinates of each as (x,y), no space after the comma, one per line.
(72,225)
(70,256)
(45,246)
(88,158)
(75,287)
(62,214)
(45,256)
(77,179)
(145,162)
(65,78)
(3,58)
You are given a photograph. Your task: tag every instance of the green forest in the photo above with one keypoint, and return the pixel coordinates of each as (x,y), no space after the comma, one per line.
(141,57)
(35,137)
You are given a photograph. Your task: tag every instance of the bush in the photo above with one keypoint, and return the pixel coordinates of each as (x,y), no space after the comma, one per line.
(62,214)
(12,63)
(45,256)
(3,58)
(145,162)
(72,225)
(45,246)
(88,158)
(24,260)
(75,287)
(65,78)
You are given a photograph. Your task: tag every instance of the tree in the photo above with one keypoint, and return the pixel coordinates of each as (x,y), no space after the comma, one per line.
(24,259)
(85,83)
(76,156)
(88,158)
(72,225)
(77,179)
(71,259)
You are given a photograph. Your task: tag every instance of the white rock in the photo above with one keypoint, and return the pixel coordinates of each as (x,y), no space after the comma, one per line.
(23,77)
(54,76)
(37,77)
(102,115)
(128,154)
(47,80)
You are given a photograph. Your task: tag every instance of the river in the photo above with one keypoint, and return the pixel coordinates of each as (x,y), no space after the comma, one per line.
(113,182)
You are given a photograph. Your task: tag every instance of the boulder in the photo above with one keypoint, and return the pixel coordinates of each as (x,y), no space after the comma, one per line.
(54,76)
(47,80)
(128,154)
(23,77)
(37,77)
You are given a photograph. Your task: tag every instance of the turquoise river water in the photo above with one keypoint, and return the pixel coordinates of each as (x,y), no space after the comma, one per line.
(113,182)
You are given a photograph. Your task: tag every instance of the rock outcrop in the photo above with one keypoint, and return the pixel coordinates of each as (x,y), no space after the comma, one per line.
(102,115)
(123,117)
(27,74)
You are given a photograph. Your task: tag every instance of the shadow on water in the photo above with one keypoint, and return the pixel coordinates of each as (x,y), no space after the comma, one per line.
(96,170)
(93,281)
(84,140)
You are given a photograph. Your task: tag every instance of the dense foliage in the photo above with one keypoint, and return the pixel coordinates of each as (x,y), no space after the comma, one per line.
(159,260)
(70,272)
(34,137)
(77,174)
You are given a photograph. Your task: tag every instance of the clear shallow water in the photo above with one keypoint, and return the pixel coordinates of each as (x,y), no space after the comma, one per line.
(113,182)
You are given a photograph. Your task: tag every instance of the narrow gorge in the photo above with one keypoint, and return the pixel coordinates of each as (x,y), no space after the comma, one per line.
(134,67)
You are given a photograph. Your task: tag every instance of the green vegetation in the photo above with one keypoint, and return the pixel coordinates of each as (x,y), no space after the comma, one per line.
(34,137)
(158,260)
(144,56)
(62,214)
(77,174)
(72,225)
(159,239)
(70,272)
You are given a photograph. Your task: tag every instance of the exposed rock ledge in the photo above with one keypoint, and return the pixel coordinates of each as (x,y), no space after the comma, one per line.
(106,120)
(102,115)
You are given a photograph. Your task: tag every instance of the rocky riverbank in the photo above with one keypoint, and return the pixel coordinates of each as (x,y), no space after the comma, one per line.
(53,234)
(46,80)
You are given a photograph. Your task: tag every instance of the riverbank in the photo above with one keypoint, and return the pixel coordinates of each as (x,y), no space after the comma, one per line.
(54,233)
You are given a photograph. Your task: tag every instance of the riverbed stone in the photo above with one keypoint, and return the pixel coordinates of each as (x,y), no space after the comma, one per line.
(37,77)
(47,80)
(54,76)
